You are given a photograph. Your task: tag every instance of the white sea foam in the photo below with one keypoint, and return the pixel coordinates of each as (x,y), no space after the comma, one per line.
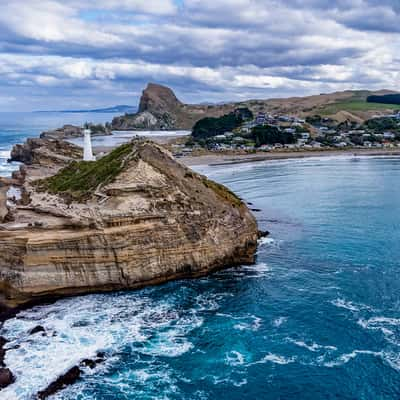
(276,359)
(314,347)
(389,327)
(351,306)
(345,358)
(260,269)
(266,241)
(5,154)
(234,358)
(78,328)
(252,325)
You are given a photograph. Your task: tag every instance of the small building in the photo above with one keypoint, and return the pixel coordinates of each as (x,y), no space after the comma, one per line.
(389,135)
(305,135)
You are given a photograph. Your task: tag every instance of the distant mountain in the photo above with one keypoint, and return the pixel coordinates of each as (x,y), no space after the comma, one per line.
(115,109)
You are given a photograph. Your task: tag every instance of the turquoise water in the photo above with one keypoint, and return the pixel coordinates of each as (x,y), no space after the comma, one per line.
(317,317)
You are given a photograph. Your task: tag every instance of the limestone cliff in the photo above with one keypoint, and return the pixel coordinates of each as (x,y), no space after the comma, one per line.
(135,217)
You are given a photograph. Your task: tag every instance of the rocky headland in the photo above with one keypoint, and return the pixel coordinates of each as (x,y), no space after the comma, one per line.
(134,217)
(72,131)
(160,109)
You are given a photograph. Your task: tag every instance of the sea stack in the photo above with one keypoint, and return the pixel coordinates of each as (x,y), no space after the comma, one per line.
(132,218)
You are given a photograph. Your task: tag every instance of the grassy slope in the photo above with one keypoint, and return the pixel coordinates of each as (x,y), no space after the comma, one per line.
(356,103)
(80,179)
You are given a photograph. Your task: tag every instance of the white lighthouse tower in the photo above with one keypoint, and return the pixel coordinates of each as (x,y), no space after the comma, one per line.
(87,146)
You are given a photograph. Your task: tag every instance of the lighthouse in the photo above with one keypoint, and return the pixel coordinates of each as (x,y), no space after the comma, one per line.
(87,146)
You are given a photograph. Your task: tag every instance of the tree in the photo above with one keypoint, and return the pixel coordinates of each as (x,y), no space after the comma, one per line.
(267,134)
(210,126)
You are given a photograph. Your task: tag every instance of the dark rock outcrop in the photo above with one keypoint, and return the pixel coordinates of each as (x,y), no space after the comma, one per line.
(6,378)
(3,201)
(69,378)
(37,329)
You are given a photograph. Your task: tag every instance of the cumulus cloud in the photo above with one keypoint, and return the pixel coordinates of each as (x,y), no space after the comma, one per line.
(103,51)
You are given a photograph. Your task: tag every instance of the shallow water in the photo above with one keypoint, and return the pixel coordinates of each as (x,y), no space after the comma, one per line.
(318,316)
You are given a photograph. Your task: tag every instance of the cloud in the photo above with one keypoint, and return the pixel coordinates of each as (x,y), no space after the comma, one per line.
(103,51)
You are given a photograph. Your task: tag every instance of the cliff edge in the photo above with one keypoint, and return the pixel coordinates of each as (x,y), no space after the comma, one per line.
(134,217)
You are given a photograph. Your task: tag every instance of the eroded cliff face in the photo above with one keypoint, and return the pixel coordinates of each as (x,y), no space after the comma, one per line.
(149,221)
(159,108)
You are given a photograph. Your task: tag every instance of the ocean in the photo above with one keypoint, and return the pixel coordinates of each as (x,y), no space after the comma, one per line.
(317,316)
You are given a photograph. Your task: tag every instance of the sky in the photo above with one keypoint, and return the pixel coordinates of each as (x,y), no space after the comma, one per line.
(85,54)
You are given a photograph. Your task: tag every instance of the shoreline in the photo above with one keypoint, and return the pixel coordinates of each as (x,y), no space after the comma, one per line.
(227,159)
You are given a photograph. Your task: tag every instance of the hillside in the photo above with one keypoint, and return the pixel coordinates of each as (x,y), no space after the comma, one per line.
(160,108)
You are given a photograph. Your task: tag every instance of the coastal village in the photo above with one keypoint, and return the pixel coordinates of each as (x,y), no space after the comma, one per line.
(281,133)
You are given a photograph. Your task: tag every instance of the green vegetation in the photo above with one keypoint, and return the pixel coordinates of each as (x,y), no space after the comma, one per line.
(352,105)
(210,126)
(267,134)
(223,192)
(379,125)
(79,180)
(385,99)
(244,113)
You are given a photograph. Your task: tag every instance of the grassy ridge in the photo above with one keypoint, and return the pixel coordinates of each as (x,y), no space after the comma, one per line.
(356,105)
(80,179)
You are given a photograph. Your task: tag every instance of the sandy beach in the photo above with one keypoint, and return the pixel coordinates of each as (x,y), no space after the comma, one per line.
(226,159)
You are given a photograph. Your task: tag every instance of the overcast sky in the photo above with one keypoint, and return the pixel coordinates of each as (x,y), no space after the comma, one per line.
(75,54)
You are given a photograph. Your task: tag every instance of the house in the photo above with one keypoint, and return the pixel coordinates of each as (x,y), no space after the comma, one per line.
(219,137)
(261,118)
(389,135)
(305,135)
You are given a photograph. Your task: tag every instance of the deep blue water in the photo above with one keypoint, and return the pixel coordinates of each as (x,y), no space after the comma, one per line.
(318,316)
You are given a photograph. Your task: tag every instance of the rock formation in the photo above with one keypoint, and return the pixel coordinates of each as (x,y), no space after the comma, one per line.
(44,151)
(72,131)
(134,217)
(3,201)
(160,109)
